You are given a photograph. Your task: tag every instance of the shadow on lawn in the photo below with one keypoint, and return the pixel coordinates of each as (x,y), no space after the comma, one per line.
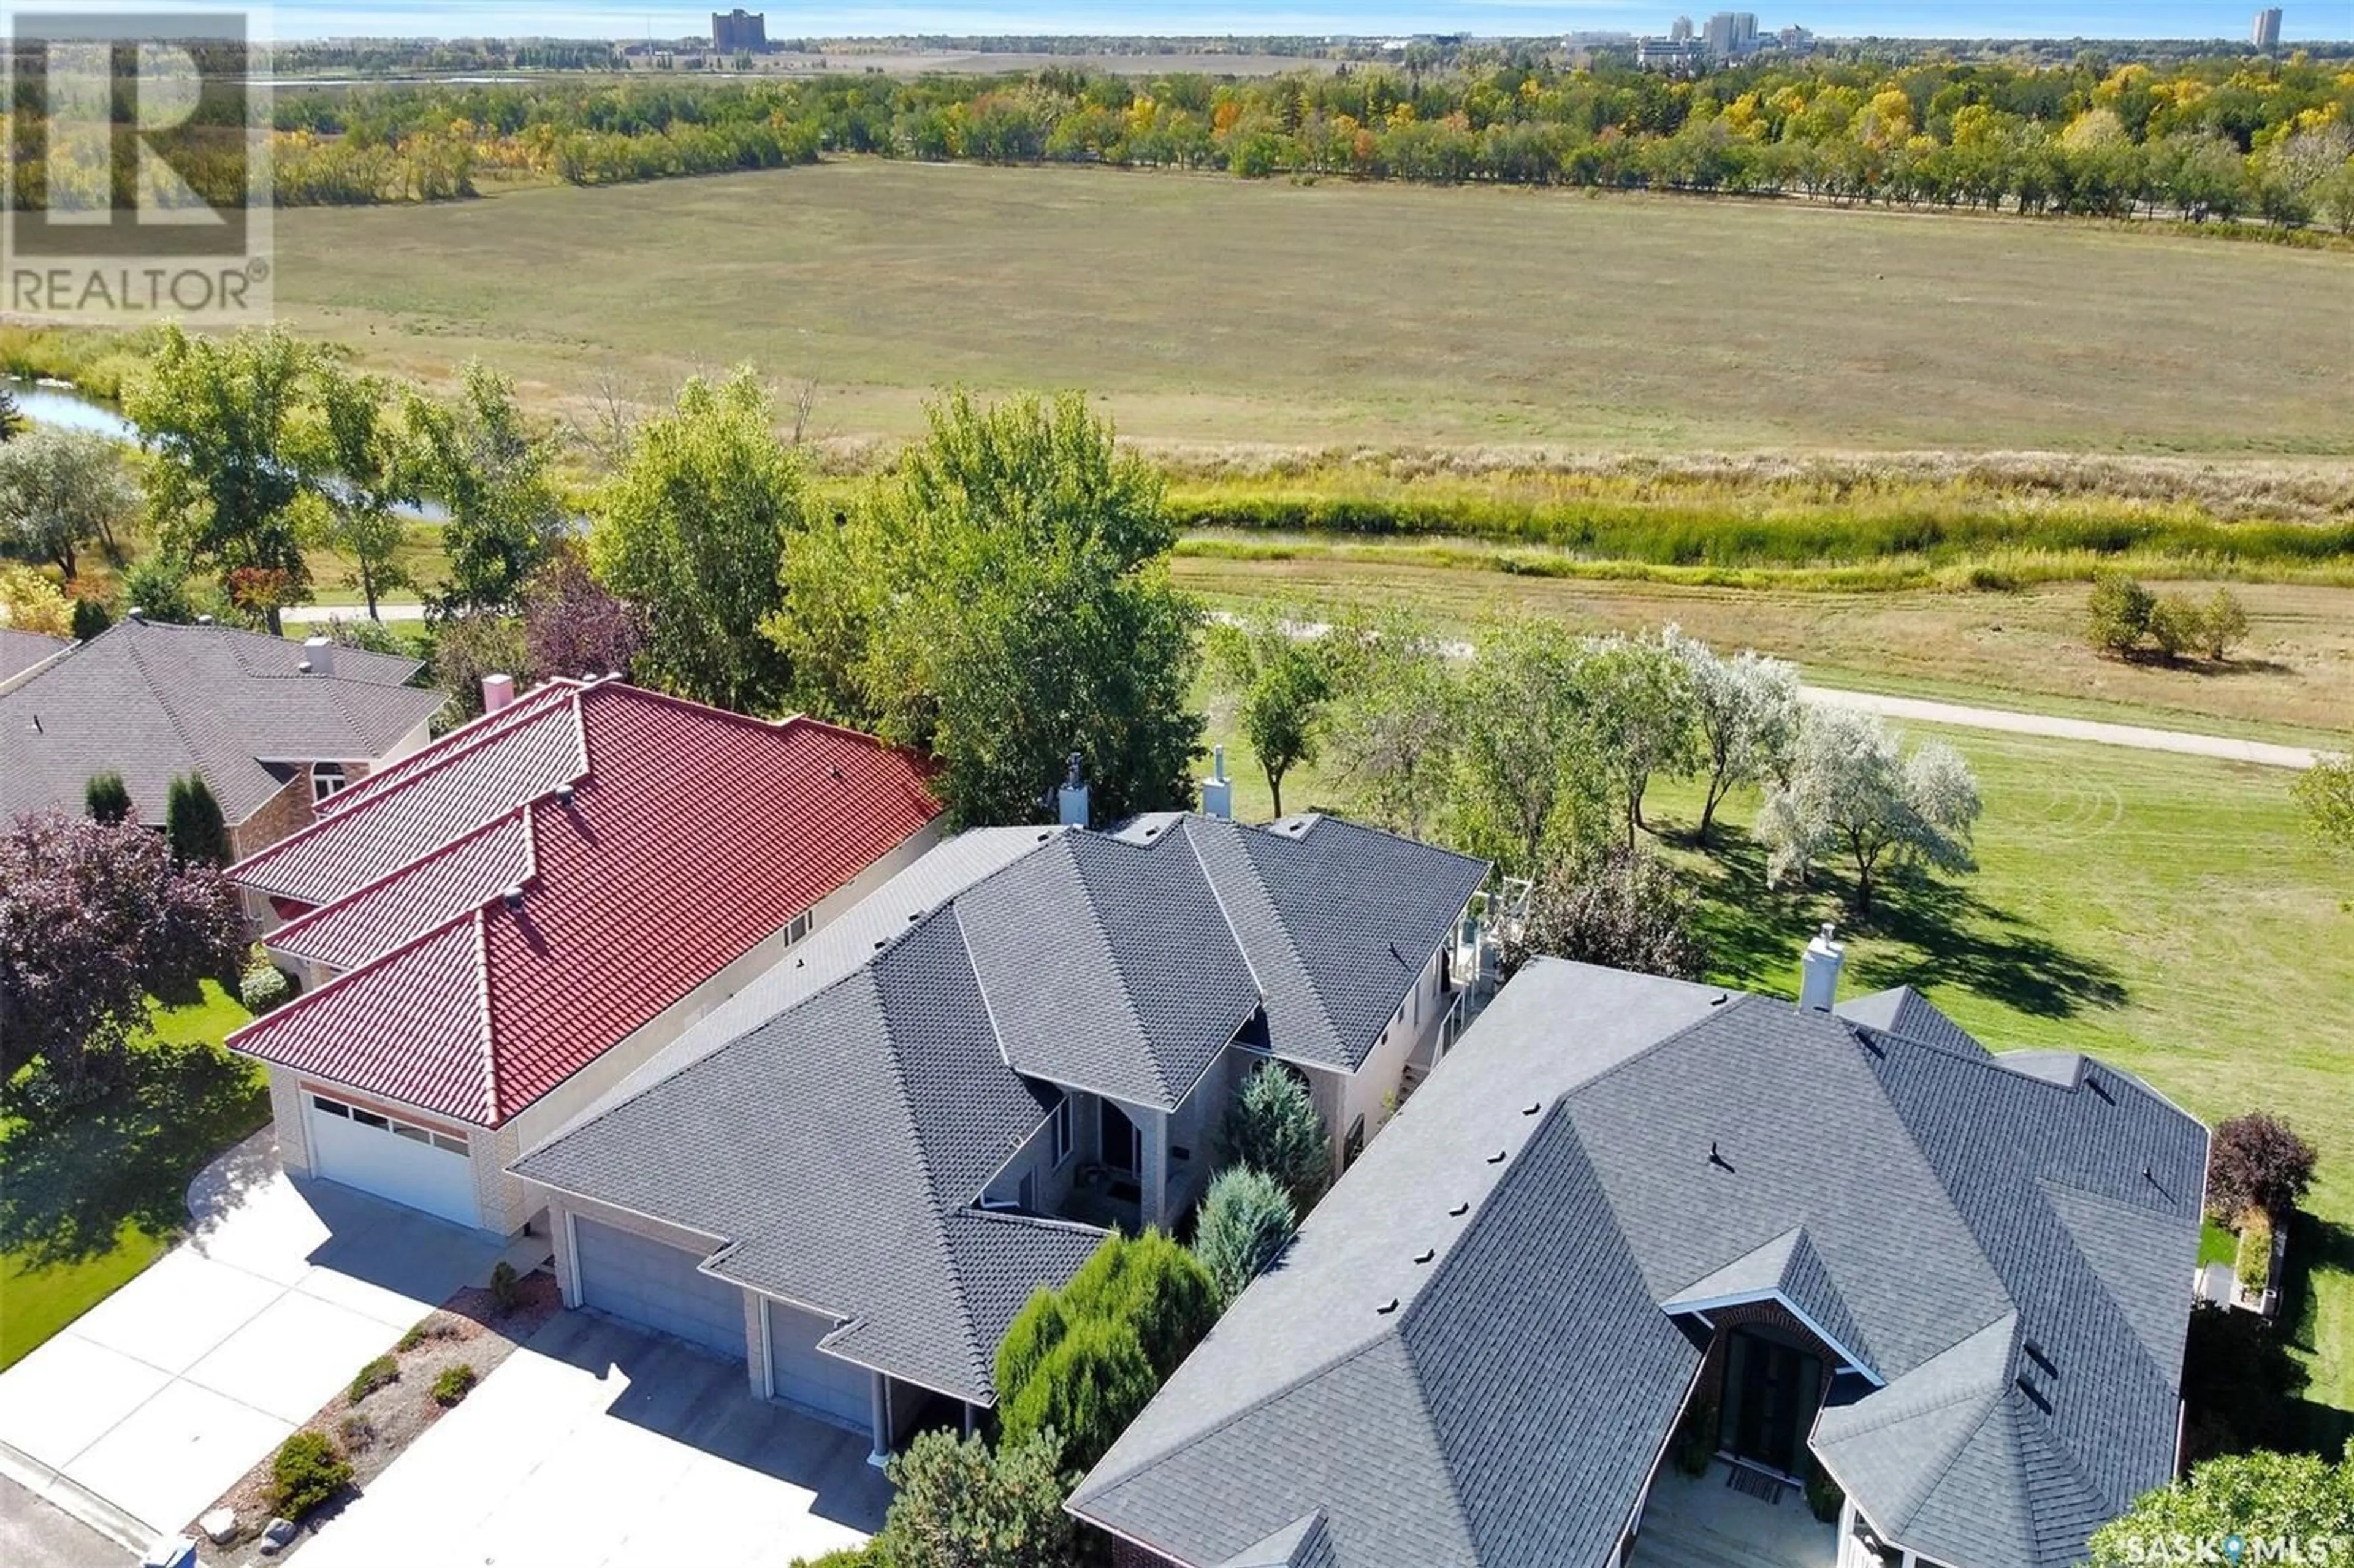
(1927,932)
(77,1174)
(2316,1246)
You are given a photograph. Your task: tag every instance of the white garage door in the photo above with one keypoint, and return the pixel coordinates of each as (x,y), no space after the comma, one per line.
(804,1376)
(657,1286)
(391,1157)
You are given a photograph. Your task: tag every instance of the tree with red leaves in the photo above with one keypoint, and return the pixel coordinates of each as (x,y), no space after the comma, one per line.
(571,626)
(2257,1161)
(94,916)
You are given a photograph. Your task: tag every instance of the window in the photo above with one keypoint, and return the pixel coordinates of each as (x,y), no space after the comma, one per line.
(414,1134)
(1059,1137)
(450,1145)
(326,778)
(797,930)
(369,1118)
(1354,1145)
(333,1108)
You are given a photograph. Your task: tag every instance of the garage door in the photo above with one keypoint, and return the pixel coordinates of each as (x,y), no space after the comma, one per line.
(803,1374)
(657,1286)
(391,1157)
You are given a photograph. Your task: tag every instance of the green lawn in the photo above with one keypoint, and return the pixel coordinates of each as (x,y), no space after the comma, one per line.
(95,1194)
(2217,1245)
(2165,913)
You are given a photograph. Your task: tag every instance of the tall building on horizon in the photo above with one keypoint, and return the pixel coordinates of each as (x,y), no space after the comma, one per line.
(740,32)
(2265,34)
(1731,34)
(1682,32)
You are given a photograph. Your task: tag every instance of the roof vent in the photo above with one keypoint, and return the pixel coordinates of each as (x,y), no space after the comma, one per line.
(139,614)
(1498,1157)
(1401,958)
(2041,1400)
(1717,1160)
(1533,1108)
(564,794)
(2035,1352)
(513,897)
(1388,1307)
(204,620)
(881,943)
(2099,1089)
(304,667)
(1719,1000)
(1426,1255)
(914,916)
(37,725)
(836,771)
(1459,1211)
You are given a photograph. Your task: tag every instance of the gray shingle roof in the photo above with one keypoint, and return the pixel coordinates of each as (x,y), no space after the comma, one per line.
(849,1106)
(23,650)
(154,702)
(1956,1225)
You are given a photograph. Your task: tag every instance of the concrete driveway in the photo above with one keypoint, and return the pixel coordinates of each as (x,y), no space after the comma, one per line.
(598,1445)
(151,1404)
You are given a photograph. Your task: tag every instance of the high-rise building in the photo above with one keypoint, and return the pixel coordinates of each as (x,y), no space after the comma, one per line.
(1731,34)
(740,32)
(1681,33)
(2265,34)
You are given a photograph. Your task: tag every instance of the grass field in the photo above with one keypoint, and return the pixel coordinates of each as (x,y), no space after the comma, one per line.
(95,1193)
(2293,681)
(2109,915)
(1224,310)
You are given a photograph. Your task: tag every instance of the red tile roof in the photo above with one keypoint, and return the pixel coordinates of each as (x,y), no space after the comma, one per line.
(692,834)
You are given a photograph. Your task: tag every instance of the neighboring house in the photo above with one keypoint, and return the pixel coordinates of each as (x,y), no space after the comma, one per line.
(498,929)
(853,1175)
(23,653)
(273,726)
(1955,1279)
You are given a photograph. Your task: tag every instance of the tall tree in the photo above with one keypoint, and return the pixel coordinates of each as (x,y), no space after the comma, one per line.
(1855,796)
(692,532)
(571,626)
(1745,709)
(1524,781)
(106,799)
(93,917)
(1393,719)
(2285,1501)
(372,479)
(1002,599)
(479,458)
(234,455)
(1635,699)
(60,489)
(2257,1162)
(1621,907)
(1281,671)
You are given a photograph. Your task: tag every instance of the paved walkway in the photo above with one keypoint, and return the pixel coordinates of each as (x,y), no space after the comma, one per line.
(144,1410)
(2188,743)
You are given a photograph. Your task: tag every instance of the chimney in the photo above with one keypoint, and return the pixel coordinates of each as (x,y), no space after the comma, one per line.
(137,614)
(319,654)
(1072,797)
(1818,971)
(1217,789)
(498,690)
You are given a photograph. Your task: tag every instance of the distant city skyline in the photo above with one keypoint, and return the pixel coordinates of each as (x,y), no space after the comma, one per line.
(2189,19)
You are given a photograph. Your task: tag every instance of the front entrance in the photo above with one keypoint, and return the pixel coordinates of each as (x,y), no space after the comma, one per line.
(1772,1390)
(1123,1145)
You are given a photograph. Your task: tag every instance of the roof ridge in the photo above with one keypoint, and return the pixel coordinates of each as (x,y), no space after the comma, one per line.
(333,987)
(1184,826)
(172,715)
(1283,927)
(489,1039)
(1119,971)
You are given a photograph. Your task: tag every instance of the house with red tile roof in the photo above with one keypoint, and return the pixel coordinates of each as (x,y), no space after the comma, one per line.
(498,929)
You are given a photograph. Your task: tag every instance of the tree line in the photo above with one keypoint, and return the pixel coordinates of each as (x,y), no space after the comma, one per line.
(2224,137)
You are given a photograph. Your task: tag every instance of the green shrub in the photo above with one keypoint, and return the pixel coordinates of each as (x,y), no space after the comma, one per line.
(1036,1329)
(506,1286)
(194,824)
(961,1504)
(2117,615)
(412,1337)
(2253,1265)
(1245,1223)
(1084,1391)
(453,1385)
(1273,1127)
(2226,624)
(876,1554)
(106,797)
(1155,1286)
(156,587)
(2177,625)
(89,618)
(1695,1438)
(263,987)
(375,1375)
(306,1472)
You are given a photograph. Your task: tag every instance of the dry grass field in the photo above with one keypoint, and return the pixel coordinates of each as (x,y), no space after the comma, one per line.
(1214,310)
